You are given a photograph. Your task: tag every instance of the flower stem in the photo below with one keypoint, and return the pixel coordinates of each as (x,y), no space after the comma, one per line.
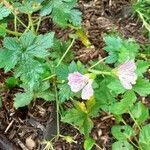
(11,32)
(53,75)
(97,72)
(31,22)
(97,63)
(38,24)
(65,52)
(57,109)
(134,120)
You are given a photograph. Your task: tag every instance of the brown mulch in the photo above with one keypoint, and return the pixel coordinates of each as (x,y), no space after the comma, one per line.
(28,124)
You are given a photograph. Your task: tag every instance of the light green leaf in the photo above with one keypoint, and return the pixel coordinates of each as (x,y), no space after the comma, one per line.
(3,27)
(142,66)
(128,50)
(140,112)
(142,87)
(116,87)
(120,49)
(75,17)
(4,12)
(28,6)
(122,145)
(124,105)
(122,132)
(144,139)
(88,143)
(22,99)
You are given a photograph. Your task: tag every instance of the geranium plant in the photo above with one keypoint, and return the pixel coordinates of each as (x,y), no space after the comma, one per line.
(42,66)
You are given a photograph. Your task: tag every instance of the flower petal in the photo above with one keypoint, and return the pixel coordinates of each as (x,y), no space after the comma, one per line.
(87,91)
(127,75)
(77,81)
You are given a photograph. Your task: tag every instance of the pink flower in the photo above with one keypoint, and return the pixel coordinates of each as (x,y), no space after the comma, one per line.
(78,82)
(127,75)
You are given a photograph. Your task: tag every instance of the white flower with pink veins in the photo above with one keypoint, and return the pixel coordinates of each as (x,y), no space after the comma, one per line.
(126,74)
(78,82)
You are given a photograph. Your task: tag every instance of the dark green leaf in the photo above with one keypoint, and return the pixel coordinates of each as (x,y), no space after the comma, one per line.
(79,119)
(11,82)
(64,92)
(62,12)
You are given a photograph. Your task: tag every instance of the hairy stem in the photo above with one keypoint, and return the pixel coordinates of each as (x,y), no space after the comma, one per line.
(11,32)
(65,52)
(97,72)
(97,63)
(57,107)
(31,22)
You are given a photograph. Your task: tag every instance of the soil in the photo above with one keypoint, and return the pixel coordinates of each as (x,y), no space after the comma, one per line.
(25,128)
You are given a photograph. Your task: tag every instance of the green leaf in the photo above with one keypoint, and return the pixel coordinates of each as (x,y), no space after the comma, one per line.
(88,143)
(142,66)
(73,67)
(64,92)
(28,6)
(30,72)
(62,72)
(142,87)
(103,96)
(22,99)
(8,59)
(59,49)
(3,27)
(80,119)
(128,50)
(140,112)
(75,17)
(11,82)
(24,53)
(124,105)
(144,139)
(27,39)
(116,87)
(122,132)
(62,12)
(122,145)
(119,49)
(44,92)
(4,12)
(113,45)
(40,45)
